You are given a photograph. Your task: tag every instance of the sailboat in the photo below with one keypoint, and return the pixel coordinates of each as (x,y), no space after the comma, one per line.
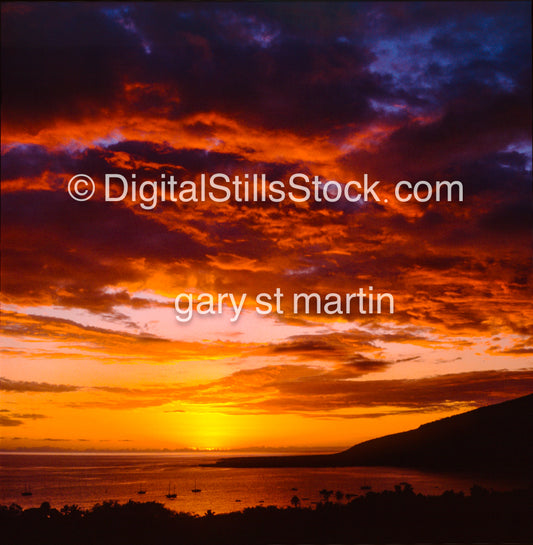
(26,491)
(196,489)
(141,490)
(173,495)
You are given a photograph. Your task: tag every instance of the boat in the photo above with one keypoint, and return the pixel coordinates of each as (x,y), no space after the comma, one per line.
(195,490)
(171,495)
(26,492)
(141,491)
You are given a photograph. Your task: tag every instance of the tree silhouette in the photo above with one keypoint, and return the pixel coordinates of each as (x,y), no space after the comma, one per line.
(326,494)
(399,516)
(404,488)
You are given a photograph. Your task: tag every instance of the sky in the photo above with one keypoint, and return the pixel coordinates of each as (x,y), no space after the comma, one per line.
(93,356)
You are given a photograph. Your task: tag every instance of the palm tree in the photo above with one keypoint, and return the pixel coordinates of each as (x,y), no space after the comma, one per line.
(326,494)
(295,501)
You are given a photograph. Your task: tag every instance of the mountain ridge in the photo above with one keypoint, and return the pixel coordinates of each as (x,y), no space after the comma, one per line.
(495,439)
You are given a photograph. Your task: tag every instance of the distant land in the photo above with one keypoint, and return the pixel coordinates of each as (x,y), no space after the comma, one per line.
(192,451)
(497,439)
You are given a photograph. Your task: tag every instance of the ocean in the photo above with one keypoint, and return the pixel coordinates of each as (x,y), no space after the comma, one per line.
(87,479)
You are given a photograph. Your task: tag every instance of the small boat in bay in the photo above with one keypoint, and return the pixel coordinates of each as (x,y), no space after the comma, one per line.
(171,495)
(26,491)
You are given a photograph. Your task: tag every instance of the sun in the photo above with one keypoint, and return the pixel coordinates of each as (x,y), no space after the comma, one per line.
(210,431)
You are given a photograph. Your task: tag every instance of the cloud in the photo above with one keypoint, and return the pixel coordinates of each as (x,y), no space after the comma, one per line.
(94,343)
(105,248)
(523,347)
(327,393)
(8,421)
(338,348)
(316,391)
(396,90)
(265,69)
(8,385)
(12,419)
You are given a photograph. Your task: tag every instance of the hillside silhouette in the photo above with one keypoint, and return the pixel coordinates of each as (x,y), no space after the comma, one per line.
(497,439)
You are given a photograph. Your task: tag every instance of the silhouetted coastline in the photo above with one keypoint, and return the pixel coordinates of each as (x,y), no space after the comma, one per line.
(399,516)
(497,440)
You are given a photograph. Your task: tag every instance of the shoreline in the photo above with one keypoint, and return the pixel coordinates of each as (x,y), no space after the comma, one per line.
(399,516)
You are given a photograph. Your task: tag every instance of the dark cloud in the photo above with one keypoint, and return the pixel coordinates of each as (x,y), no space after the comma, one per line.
(28,161)
(328,72)
(381,414)
(8,385)
(59,63)
(419,91)
(11,419)
(8,421)
(321,392)
(337,348)
(313,391)
(307,67)
(46,236)
(93,227)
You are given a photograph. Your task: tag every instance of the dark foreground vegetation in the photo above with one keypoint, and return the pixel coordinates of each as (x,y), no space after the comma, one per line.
(387,517)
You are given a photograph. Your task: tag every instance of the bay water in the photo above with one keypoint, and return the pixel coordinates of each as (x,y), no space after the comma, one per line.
(86,479)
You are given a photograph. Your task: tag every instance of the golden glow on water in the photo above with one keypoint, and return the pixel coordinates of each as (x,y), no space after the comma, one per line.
(86,479)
